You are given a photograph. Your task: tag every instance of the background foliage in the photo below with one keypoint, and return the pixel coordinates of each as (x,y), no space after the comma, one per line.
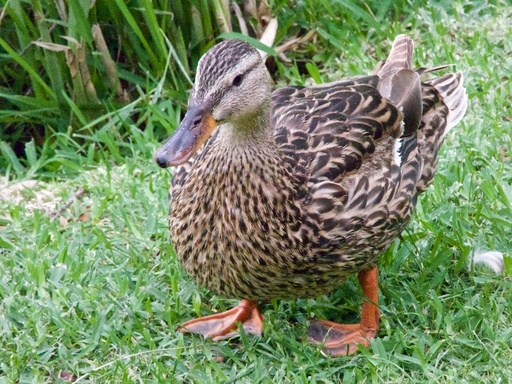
(69,64)
(90,290)
(79,66)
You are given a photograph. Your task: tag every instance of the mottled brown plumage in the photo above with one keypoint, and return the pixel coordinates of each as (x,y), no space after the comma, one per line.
(298,188)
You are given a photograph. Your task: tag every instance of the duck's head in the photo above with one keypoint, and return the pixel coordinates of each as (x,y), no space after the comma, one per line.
(232,86)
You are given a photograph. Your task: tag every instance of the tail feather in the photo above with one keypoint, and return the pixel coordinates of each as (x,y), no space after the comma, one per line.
(400,84)
(430,108)
(400,57)
(444,104)
(453,94)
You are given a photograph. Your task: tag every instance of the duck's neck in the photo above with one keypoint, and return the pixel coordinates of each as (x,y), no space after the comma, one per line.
(246,184)
(250,131)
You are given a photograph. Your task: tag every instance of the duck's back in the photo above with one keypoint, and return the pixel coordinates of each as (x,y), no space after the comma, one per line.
(361,151)
(331,130)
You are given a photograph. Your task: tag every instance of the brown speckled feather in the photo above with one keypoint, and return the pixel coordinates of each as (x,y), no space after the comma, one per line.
(293,210)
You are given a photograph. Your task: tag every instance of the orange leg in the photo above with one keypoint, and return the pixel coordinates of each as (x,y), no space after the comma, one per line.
(224,325)
(342,339)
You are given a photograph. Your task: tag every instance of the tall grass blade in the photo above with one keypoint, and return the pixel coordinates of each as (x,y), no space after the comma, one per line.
(359,13)
(134,25)
(12,158)
(254,42)
(51,64)
(154,27)
(24,30)
(27,67)
(79,26)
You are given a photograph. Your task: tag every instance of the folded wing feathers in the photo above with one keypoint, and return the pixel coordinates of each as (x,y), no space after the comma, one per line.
(337,193)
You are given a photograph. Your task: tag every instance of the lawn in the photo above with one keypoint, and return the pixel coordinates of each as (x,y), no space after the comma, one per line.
(91,291)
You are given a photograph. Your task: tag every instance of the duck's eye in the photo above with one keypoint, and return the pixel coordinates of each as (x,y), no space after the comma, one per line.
(237,80)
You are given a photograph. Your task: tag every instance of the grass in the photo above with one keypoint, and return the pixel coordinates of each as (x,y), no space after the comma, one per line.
(95,293)
(64,65)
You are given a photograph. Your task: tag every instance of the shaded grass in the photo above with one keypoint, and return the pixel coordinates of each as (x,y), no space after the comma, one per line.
(64,65)
(99,292)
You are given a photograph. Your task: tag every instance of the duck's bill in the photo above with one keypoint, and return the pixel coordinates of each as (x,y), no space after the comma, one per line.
(197,126)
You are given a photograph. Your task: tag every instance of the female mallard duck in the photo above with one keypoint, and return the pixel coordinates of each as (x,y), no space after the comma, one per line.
(285,193)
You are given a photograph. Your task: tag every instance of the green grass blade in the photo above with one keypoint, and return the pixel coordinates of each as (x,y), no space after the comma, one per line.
(79,26)
(359,13)
(11,156)
(31,153)
(27,67)
(154,28)
(181,64)
(51,63)
(314,72)
(136,29)
(25,30)
(254,42)
(76,110)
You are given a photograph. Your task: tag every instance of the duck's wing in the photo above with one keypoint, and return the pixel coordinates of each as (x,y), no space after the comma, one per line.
(328,132)
(361,150)
(346,148)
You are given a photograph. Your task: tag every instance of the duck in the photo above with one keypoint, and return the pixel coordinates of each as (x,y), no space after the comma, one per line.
(285,193)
